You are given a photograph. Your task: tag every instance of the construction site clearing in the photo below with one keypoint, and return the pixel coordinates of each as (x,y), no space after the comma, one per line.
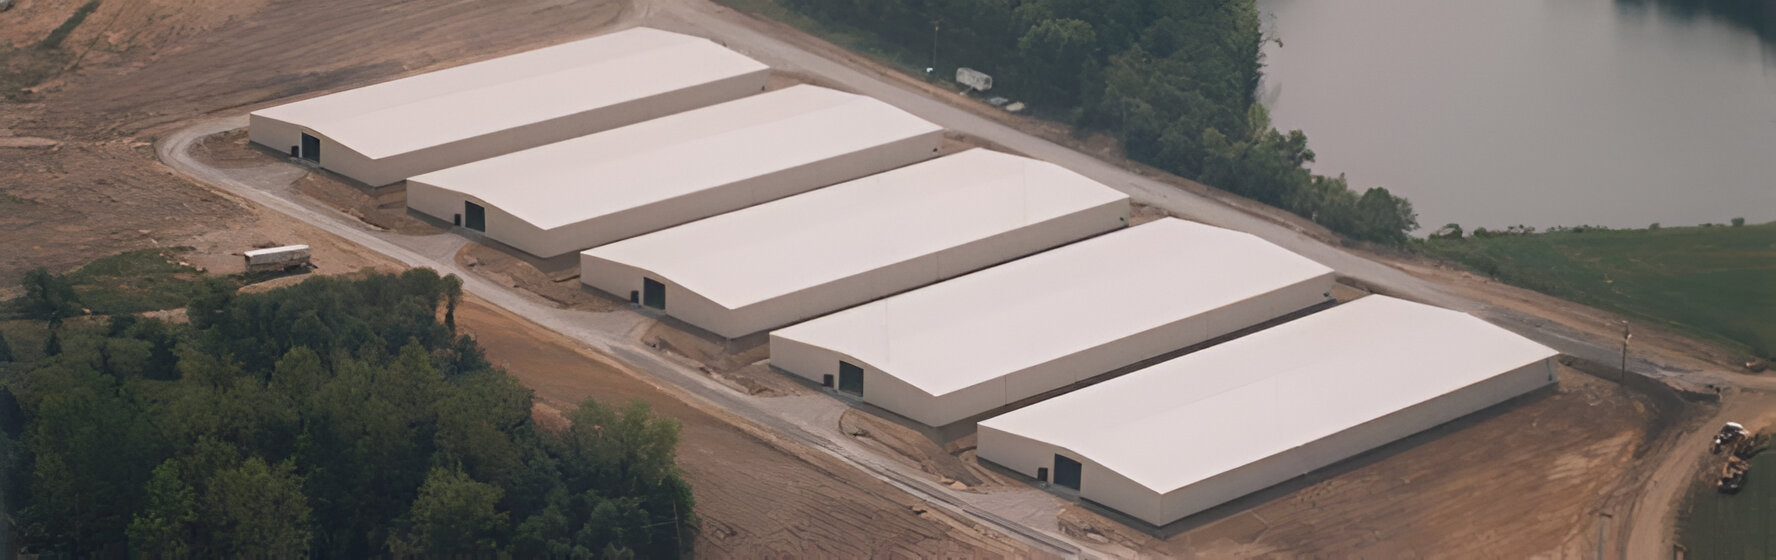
(1531,477)
(1550,456)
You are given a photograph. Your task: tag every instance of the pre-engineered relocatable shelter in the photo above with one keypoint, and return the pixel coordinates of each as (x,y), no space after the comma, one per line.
(596,189)
(387,132)
(978,342)
(1193,432)
(817,252)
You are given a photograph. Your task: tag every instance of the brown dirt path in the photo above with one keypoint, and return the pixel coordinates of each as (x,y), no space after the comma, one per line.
(757,496)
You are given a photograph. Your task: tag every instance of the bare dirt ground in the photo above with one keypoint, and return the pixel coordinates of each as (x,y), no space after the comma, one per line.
(756,499)
(513,268)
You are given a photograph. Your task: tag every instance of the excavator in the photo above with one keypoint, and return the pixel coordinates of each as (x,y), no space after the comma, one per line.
(1739,445)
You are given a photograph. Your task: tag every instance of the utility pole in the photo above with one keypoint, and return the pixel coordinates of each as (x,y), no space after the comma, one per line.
(932,68)
(1626,334)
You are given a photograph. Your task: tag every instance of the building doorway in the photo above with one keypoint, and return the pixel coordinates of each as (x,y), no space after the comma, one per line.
(850,378)
(474,216)
(1067,472)
(311,148)
(653,293)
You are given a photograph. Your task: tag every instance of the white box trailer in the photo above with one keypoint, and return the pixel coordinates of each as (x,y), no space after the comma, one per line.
(277,258)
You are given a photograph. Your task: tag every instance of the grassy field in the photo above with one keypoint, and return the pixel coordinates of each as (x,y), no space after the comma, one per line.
(132,282)
(137,281)
(1717,283)
(1713,525)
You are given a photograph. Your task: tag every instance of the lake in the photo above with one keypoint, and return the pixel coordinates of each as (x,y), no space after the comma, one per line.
(1556,112)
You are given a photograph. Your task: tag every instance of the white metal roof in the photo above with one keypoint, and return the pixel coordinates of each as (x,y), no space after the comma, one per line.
(274,250)
(1185,420)
(778,248)
(578,179)
(440,107)
(975,328)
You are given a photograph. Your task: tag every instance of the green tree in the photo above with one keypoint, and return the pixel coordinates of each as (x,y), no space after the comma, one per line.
(52,345)
(49,297)
(258,511)
(1057,62)
(166,528)
(453,516)
(248,436)
(1384,217)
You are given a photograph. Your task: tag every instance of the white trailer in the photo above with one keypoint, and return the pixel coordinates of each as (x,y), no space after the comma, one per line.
(277,258)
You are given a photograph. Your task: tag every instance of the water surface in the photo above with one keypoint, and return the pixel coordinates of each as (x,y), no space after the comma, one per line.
(1538,112)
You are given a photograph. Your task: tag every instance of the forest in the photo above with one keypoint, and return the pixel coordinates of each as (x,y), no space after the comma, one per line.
(342,417)
(1174,80)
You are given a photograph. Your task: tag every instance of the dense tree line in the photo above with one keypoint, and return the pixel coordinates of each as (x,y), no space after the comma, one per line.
(1756,16)
(1174,79)
(335,418)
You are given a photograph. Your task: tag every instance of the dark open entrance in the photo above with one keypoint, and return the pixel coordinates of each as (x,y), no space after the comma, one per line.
(474,216)
(311,148)
(653,293)
(850,378)
(826,380)
(1042,474)
(1066,472)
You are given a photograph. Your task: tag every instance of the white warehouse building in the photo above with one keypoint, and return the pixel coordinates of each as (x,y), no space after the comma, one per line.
(1191,433)
(979,342)
(384,133)
(596,189)
(814,253)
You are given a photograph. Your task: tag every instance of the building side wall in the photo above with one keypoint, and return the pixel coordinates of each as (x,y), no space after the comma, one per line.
(611,277)
(813,363)
(445,204)
(273,133)
(1012,451)
(280,136)
(1097,482)
(1107,487)
(1326,451)
(434,201)
(802,359)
